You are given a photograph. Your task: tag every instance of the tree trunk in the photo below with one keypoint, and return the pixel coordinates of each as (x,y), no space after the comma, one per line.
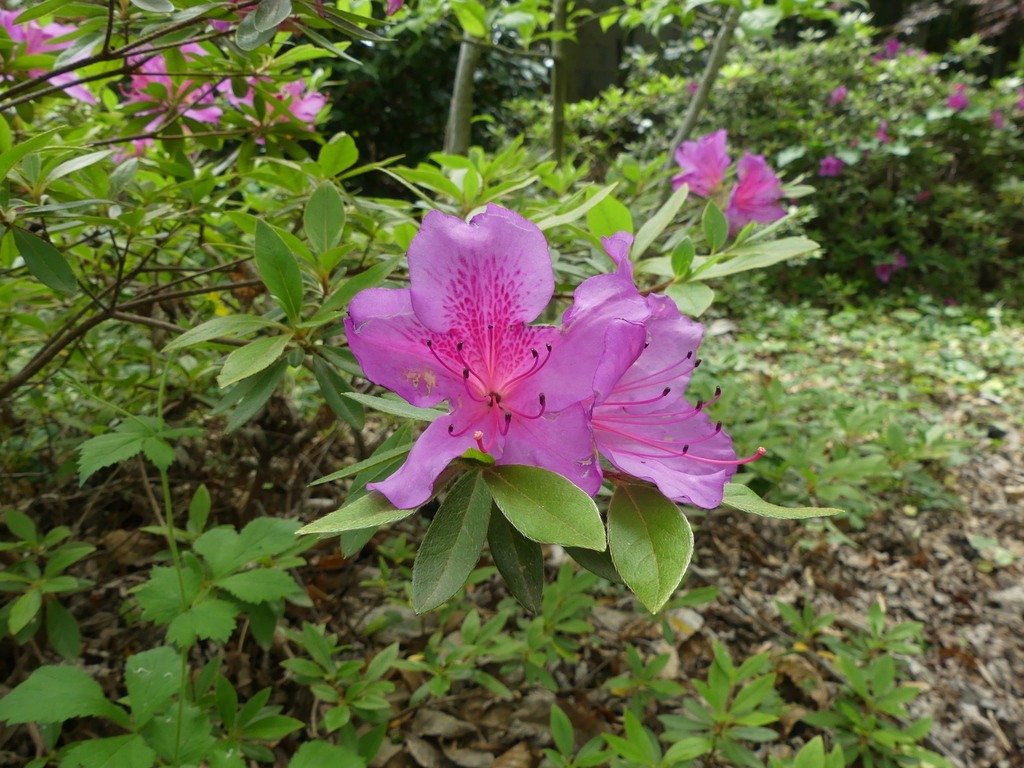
(558,79)
(460,111)
(707,80)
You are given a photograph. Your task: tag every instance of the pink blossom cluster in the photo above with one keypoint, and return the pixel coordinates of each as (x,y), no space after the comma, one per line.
(884,272)
(35,39)
(156,92)
(756,193)
(608,382)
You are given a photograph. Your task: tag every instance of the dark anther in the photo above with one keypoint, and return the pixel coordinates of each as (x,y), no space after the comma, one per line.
(686,449)
(696,362)
(689,355)
(430,343)
(535,353)
(718,391)
(543,400)
(465,373)
(718,427)
(700,405)
(665,391)
(548,347)
(451,428)
(458,346)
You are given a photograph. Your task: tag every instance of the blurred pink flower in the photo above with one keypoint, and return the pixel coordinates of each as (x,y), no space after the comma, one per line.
(884,272)
(692,87)
(756,194)
(838,96)
(293,100)
(393,7)
(703,163)
(958,100)
(831,166)
(35,39)
(1020,101)
(186,98)
(998,120)
(923,195)
(890,50)
(882,134)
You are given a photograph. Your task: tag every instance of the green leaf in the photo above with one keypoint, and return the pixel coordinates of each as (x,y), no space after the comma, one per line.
(130,751)
(650,543)
(682,257)
(21,525)
(279,269)
(158,6)
(317,754)
(655,225)
(252,358)
(332,387)
(574,213)
(472,18)
(379,457)
(250,394)
(57,693)
(230,326)
(45,262)
(760,255)
(271,727)
(209,619)
(24,609)
(105,450)
(324,217)
(270,13)
(692,298)
(742,498)
(199,509)
(395,406)
(519,560)
(451,547)
(716,228)
(598,563)
(11,157)
(76,164)
(260,585)
(367,511)
(152,678)
(546,507)
(812,755)
(608,217)
(337,155)
(248,37)
(62,630)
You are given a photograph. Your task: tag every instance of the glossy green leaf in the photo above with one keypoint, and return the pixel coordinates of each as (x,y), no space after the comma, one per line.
(650,542)
(760,255)
(158,6)
(279,270)
(248,37)
(451,547)
(337,155)
(367,511)
(395,406)
(608,217)
(472,18)
(742,498)
(10,158)
(252,358)
(324,217)
(270,13)
(229,326)
(45,262)
(692,298)
(519,560)
(546,507)
(657,223)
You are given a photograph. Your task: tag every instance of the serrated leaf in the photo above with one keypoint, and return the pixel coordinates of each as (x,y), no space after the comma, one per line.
(209,619)
(367,511)
(152,678)
(278,269)
(130,751)
(650,542)
(57,693)
(519,560)
(260,585)
(45,262)
(324,217)
(230,326)
(546,507)
(252,358)
(452,544)
(742,498)
(104,450)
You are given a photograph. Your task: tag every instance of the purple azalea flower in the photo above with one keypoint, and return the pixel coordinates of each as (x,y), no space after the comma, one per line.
(393,7)
(703,162)
(998,120)
(459,334)
(644,426)
(831,166)
(890,50)
(884,272)
(838,96)
(958,100)
(187,98)
(1020,100)
(882,134)
(756,194)
(34,39)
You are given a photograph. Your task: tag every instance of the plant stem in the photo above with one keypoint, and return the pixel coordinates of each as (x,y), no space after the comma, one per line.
(558,79)
(460,111)
(172,542)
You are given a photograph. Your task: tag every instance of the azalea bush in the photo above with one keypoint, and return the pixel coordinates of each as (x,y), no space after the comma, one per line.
(913,156)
